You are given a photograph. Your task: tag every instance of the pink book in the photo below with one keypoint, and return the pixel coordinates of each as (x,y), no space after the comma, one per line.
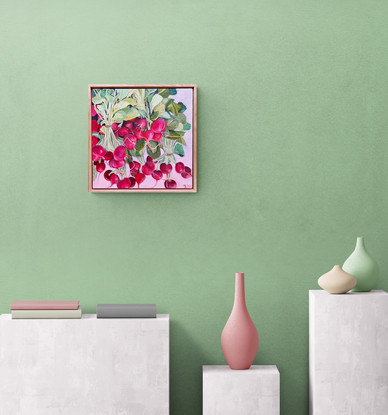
(44,305)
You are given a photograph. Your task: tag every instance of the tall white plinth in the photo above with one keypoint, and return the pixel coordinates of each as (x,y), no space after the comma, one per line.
(241,392)
(348,353)
(87,366)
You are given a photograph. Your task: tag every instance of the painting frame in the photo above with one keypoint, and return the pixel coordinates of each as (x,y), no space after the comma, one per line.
(193,188)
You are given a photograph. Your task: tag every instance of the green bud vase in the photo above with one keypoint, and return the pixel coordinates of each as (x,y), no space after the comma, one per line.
(362,266)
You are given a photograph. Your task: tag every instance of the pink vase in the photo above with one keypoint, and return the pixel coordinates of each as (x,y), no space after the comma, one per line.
(239,339)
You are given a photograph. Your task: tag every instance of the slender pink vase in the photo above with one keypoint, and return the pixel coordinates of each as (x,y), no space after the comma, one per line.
(239,339)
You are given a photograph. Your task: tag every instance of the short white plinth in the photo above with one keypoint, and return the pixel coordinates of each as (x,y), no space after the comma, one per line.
(241,392)
(85,366)
(348,353)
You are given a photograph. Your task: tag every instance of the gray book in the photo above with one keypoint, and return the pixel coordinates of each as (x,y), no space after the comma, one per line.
(126,310)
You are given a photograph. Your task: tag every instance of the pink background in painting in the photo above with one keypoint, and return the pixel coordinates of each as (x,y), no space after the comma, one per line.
(184,95)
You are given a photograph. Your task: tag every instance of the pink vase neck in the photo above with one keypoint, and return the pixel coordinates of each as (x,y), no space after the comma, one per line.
(239,291)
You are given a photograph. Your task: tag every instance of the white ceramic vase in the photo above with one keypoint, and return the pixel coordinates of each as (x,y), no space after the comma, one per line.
(337,281)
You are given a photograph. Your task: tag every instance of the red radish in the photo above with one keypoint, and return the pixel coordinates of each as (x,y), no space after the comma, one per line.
(134,165)
(107,175)
(186,175)
(151,165)
(138,134)
(129,125)
(170,184)
(179,167)
(108,156)
(148,135)
(123,131)
(150,158)
(99,151)
(157,175)
(159,125)
(114,178)
(187,170)
(100,167)
(134,172)
(114,126)
(95,157)
(146,170)
(94,141)
(94,112)
(142,123)
(157,137)
(140,178)
(130,142)
(95,126)
(116,164)
(132,181)
(119,153)
(165,168)
(124,184)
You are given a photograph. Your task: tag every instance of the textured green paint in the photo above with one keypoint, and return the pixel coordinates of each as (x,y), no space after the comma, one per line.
(292,160)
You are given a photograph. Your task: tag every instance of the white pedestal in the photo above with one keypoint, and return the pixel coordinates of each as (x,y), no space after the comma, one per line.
(85,366)
(348,353)
(241,392)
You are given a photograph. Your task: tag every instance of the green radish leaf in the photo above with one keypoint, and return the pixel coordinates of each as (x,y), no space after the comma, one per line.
(97,100)
(178,149)
(123,93)
(164,92)
(182,118)
(173,91)
(110,95)
(172,123)
(154,116)
(160,108)
(153,154)
(134,153)
(176,133)
(187,126)
(183,107)
(132,113)
(156,99)
(165,115)
(120,115)
(140,145)
(181,140)
(174,108)
(124,103)
(149,93)
(153,145)
(142,113)
(139,95)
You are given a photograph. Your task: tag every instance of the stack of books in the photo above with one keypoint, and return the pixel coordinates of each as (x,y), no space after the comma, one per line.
(46,309)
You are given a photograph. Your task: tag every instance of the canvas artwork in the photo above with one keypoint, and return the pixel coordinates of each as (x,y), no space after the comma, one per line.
(142,138)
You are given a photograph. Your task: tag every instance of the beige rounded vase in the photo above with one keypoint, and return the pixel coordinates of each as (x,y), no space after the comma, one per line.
(337,281)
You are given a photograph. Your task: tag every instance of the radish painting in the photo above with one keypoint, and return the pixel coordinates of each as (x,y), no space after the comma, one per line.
(142,138)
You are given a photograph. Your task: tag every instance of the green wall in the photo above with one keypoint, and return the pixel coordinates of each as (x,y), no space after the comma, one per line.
(292,165)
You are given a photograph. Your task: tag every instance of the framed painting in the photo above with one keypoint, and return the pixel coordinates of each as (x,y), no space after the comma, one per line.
(142,138)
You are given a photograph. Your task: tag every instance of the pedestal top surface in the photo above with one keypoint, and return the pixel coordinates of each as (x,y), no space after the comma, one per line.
(254,370)
(88,317)
(323,293)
